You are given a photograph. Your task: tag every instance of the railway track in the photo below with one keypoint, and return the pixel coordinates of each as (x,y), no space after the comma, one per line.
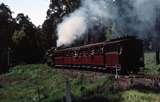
(141,82)
(152,77)
(132,81)
(103,70)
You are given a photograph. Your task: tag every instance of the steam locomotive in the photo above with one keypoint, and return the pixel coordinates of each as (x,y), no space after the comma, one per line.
(124,55)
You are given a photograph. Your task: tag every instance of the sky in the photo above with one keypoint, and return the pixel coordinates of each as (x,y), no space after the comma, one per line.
(35,9)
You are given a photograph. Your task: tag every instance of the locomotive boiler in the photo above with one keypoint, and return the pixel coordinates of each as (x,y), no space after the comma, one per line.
(122,54)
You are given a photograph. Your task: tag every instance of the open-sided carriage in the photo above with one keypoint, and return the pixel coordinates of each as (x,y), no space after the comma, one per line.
(122,54)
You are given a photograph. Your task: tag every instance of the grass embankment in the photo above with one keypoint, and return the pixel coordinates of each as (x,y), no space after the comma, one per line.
(40,83)
(150,64)
(136,96)
(32,83)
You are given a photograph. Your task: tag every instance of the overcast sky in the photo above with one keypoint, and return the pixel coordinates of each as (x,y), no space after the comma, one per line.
(35,9)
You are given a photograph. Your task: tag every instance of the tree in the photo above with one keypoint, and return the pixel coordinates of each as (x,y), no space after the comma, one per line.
(7,26)
(157,27)
(5,14)
(27,48)
(57,10)
(111,31)
(18,36)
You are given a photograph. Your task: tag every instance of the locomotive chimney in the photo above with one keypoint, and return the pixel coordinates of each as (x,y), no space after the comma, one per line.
(157,57)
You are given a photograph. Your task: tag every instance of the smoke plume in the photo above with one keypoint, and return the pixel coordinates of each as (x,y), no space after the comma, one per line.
(84,18)
(142,17)
(147,14)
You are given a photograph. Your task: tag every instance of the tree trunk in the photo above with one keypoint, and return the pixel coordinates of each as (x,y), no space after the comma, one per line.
(157,57)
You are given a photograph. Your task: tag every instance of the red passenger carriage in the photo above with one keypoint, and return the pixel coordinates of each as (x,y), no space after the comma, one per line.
(124,54)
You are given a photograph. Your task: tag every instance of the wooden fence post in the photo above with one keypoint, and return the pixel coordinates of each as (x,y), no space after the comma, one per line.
(68,91)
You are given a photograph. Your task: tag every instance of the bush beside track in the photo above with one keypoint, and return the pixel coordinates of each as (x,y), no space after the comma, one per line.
(150,64)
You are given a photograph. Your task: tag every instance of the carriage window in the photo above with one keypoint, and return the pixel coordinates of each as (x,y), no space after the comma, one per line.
(102,49)
(92,52)
(110,48)
(97,50)
(120,49)
(72,53)
(75,54)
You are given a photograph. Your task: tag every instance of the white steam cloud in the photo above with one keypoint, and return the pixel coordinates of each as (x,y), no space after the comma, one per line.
(84,18)
(142,15)
(71,28)
(146,10)
(103,11)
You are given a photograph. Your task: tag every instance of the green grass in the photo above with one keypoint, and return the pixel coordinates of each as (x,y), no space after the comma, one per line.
(35,83)
(150,64)
(40,83)
(132,96)
(150,58)
(136,96)
(28,83)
